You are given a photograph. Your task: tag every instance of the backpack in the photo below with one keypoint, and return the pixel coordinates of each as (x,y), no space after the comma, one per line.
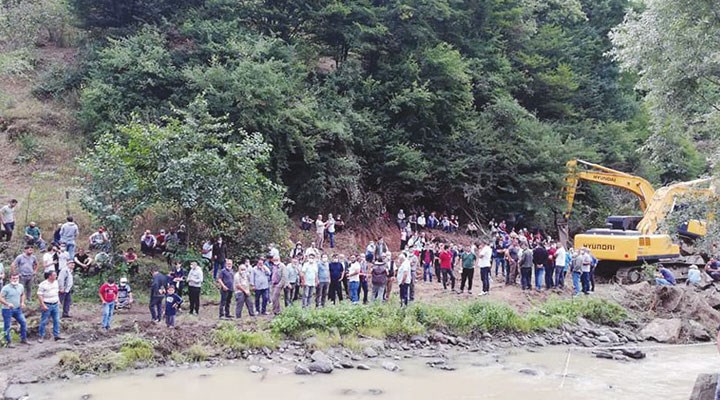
(379,275)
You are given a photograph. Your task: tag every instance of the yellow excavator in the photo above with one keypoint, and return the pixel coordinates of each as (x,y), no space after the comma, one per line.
(632,241)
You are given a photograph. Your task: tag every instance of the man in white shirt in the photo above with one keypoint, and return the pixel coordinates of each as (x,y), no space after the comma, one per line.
(404,278)
(560,266)
(7,220)
(309,279)
(484,261)
(49,296)
(354,279)
(319,231)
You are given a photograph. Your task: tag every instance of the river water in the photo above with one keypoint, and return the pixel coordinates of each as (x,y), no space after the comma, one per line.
(667,373)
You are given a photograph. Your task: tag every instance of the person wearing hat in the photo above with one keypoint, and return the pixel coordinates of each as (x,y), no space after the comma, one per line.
(65,287)
(125,297)
(694,276)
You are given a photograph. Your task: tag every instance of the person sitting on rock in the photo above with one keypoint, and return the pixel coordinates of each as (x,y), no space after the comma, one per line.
(665,277)
(33,237)
(713,269)
(694,276)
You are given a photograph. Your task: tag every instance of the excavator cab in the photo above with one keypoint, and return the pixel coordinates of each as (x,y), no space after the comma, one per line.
(623,222)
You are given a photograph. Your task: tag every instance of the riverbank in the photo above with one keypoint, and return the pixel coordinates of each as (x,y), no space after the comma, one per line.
(344,336)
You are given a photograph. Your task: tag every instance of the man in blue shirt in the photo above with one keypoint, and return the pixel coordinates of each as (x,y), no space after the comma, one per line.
(667,278)
(12,298)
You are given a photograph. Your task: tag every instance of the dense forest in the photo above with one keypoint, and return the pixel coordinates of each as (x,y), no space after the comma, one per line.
(239,111)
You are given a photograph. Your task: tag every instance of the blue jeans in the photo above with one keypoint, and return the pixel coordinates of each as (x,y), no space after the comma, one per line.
(16,313)
(331,236)
(354,291)
(499,262)
(9,227)
(70,247)
(107,314)
(217,265)
(427,273)
(560,277)
(585,280)
(52,311)
(264,295)
(662,282)
(539,277)
(576,282)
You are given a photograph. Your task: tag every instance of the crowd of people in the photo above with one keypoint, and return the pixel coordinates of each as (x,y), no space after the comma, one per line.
(312,276)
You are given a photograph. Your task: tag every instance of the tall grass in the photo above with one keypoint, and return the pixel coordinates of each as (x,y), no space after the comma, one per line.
(229,336)
(389,320)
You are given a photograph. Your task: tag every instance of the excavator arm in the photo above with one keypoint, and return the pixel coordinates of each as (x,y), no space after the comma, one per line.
(606,176)
(663,202)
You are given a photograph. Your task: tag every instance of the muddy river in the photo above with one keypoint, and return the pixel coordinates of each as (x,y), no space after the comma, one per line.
(667,373)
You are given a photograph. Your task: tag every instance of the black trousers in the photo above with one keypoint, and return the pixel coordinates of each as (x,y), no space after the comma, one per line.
(194,293)
(448,274)
(467,275)
(437,272)
(526,278)
(335,290)
(549,276)
(485,276)
(364,289)
(156,308)
(225,300)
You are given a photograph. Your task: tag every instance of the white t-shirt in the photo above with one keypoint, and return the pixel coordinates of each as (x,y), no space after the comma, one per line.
(320,227)
(560,257)
(310,271)
(404,269)
(311,250)
(354,269)
(63,260)
(48,264)
(330,225)
(8,213)
(421,221)
(49,291)
(485,256)
(207,246)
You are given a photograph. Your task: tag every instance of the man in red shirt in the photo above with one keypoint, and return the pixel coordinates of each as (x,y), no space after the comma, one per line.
(446,257)
(108,295)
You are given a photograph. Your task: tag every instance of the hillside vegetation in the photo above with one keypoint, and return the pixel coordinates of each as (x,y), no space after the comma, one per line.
(230,114)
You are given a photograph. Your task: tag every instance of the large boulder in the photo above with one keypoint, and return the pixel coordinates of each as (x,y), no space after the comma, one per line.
(704,388)
(662,330)
(321,366)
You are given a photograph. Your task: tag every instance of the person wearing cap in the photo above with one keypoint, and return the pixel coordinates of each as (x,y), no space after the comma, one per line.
(65,287)
(33,236)
(694,277)
(125,296)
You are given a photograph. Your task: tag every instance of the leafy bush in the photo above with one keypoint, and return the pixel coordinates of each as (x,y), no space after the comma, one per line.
(136,349)
(31,150)
(197,353)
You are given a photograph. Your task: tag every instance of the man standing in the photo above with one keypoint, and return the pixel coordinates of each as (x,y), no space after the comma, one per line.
(65,285)
(484,262)
(577,263)
(560,266)
(49,295)
(308,278)
(125,296)
(321,292)
(219,254)
(320,231)
(260,281)
(468,270)
(157,293)
(392,270)
(330,226)
(243,297)
(540,258)
(404,279)
(586,265)
(550,267)
(12,298)
(195,279)
(353,275)
(446,257)
(68,234)
(26,266)
(279,282)
(291,290)
(379,280)
(225,281)
(512,256)
(108,296)
(526,265)
(337,273)
(7,220)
